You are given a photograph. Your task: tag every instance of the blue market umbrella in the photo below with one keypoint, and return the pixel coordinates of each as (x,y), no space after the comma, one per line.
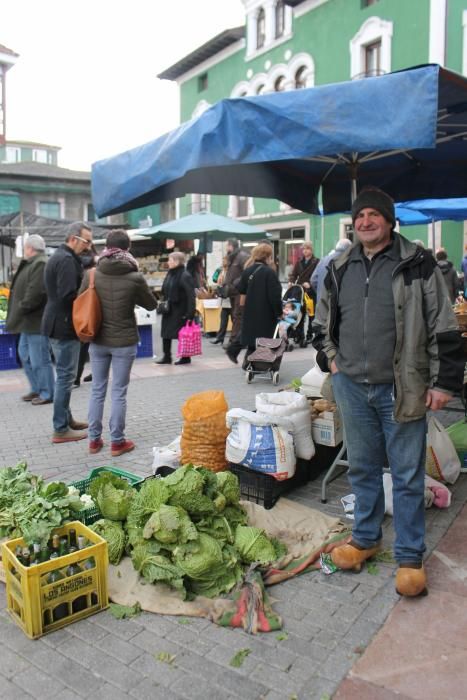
(404,132)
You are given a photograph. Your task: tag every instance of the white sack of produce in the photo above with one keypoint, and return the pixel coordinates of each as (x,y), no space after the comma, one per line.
(257,444)
(312,382)
(294,406)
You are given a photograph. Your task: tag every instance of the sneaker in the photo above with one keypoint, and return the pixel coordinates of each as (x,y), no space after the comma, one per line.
(37,401)
(78,424)
(95,446)
(68,435)
(29,397)
(119,448)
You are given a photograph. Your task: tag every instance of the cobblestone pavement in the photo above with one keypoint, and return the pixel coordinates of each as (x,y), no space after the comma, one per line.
(328,620)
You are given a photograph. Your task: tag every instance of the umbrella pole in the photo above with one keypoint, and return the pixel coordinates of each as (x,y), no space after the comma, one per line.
(322,236)
(433,236)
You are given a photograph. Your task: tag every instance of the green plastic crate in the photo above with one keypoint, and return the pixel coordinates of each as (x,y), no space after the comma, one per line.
(90,515)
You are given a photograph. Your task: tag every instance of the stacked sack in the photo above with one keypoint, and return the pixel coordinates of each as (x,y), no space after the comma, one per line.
(294,408)
(204,430)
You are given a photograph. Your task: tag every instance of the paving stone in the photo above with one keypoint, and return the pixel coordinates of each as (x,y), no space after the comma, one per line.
(122,650)
(126,629)
(87,630)
(70,673)
(241,687)
(11,691)
(223,655)
(150,690)
(162,673)
(154,644)
(38,684)
(274,679)
(115,672)
(200,689)
(11,664)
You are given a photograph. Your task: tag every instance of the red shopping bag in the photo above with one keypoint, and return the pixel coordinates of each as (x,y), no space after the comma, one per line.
(189,340)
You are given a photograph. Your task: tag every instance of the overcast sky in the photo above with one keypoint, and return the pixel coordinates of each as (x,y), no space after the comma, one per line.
(86,80)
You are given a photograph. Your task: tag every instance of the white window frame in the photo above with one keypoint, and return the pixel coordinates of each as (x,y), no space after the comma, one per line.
(12,151)
(232,210)
(200,202)
(59,200)
(288,70)
(372,30)
(39,155)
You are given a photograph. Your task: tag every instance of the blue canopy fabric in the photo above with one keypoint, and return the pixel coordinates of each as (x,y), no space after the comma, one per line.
(438,209)
(404,132)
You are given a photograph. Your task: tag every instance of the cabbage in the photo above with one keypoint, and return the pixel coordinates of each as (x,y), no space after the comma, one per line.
(170,524)
(254,545)
(197,562)
(112,495)
(114,535)
(186,490)
(228,485)
(156,568)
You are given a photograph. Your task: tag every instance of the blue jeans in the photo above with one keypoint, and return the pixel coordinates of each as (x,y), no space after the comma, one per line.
(34,352)
(374,441)
(103,357)
(66,353)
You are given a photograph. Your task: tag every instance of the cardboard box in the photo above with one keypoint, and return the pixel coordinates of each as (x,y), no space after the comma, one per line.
(327,429)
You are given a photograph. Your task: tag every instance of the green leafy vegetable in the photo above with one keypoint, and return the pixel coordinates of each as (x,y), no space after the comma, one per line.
(170,524)
(115,536)
(165,657)
(254,545)
(112,495)
(32,509)
(156,568)
(237,660)
(282,636)
(123,612)
(229,486)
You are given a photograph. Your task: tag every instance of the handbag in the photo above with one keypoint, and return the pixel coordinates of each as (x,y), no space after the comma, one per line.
(163,308)
(87,312)
(189,340)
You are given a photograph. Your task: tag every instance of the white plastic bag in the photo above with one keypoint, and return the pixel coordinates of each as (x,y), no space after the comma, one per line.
(442,460)
(294,406)
(168,455)
(312,382)
(260,445)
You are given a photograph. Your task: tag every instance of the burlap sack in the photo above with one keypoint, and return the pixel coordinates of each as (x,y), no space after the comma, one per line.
(204,430)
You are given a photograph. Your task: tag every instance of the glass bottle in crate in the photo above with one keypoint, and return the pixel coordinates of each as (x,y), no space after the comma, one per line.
(60,611)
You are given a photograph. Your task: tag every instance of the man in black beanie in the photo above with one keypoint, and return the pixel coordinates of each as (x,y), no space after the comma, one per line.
(385,329)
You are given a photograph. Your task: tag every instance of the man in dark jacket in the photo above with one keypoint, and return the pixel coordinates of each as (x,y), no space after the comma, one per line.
(63,276)
(449,274)
(236,259)
(25,308)
(386,331)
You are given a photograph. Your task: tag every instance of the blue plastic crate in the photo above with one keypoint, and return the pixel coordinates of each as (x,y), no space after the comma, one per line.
(145,341)
(8,351)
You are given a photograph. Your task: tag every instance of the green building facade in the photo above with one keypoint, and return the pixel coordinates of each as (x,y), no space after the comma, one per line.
(291,44)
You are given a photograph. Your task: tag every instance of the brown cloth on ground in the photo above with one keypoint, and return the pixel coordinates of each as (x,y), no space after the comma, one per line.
(302,529)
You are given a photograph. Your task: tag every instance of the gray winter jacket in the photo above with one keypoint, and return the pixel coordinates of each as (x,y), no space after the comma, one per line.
(427,350)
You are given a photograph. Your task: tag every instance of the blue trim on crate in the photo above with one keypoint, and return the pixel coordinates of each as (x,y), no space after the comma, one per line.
(8,351)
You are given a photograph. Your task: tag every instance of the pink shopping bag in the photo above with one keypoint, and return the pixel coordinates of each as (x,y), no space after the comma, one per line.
(189,340)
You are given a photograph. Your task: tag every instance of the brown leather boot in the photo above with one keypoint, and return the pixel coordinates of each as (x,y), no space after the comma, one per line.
(350,556)
(411,580)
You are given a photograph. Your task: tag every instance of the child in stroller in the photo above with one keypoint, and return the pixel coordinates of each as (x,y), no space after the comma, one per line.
(289,318)
(295,331)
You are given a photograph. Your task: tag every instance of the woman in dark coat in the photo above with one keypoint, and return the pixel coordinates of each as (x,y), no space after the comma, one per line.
(262,295)
(179,290)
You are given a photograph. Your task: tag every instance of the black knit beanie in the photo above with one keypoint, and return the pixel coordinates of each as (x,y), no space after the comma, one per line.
(374,198)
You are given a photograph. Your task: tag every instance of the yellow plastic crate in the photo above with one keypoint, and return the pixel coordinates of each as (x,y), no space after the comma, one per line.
(31,601)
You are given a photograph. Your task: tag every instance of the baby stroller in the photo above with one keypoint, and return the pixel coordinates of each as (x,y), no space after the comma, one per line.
(296,332)
(266,358)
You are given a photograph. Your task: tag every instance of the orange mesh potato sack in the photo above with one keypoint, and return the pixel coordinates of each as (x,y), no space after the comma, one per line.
(204,430)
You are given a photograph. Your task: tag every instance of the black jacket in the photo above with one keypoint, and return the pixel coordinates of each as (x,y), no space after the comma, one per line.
(179,289)
(263,304)
(63,276)
(27,296)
